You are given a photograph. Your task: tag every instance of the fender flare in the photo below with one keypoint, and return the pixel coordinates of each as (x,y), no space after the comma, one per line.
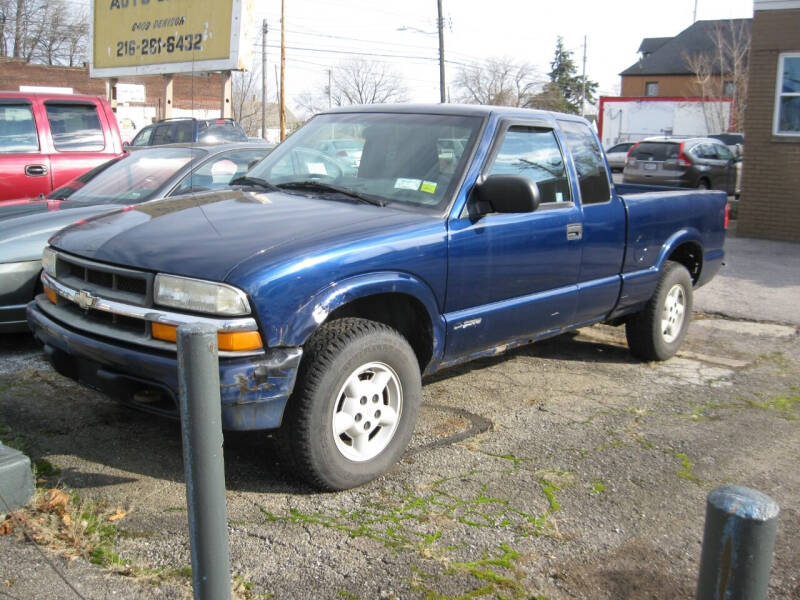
(316,311)
(687,234)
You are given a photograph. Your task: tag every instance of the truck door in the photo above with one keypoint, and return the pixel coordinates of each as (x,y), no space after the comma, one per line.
(513,276)
(78,138)
(603,239)
(24,167)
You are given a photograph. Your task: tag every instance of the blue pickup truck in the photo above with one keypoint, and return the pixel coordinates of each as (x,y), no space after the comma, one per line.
(337,283)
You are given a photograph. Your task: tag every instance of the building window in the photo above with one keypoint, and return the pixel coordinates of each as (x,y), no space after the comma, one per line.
(651,88)
(728,89)
(787,96)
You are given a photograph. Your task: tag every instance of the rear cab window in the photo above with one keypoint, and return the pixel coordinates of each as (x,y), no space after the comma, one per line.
(17,128)
(534,153)
(589,162)
(75,127)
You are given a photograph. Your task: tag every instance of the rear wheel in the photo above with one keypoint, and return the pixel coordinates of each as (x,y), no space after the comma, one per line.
(657,331)
(355,404)
(703,184)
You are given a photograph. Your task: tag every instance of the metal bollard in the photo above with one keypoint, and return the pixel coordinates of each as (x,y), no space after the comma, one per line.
(201,425)
(737,544)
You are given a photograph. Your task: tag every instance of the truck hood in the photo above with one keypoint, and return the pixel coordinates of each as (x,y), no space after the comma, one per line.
(24,237)
(207,235)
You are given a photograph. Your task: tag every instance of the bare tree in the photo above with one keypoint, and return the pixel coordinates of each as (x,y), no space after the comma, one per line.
(498,81)
(356,81)
(44,31)
(246,101)
(723,72)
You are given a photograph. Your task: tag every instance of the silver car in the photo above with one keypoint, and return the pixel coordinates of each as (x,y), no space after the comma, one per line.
(617,155)
(149,174)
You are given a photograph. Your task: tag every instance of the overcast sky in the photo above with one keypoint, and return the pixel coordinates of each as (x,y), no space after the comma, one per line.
(524,30)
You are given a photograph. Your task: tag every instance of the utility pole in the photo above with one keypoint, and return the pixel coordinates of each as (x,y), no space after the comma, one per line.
(264,79)
(583,81)
(330,93)
(694,16)
(283,70)
(442,85)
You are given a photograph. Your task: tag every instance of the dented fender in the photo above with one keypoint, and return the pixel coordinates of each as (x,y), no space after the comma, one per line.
(316,311)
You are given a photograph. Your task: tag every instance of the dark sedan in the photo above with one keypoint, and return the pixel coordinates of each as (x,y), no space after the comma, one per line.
(147,175)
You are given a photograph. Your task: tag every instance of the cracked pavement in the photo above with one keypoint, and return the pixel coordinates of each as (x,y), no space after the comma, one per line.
(563,469)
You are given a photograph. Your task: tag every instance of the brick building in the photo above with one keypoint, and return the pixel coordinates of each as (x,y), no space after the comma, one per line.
(199,92)
(662,69)
(770,201)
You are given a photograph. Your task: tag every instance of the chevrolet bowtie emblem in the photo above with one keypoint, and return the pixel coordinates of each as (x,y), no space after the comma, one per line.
(85,300)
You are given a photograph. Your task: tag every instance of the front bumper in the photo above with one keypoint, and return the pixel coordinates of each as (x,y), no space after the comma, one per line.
(254,389)
(17,283)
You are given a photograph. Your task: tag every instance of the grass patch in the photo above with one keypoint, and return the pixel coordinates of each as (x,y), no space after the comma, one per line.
(687,467)
(70,526)
(785,405)
(597,487)
(44,468)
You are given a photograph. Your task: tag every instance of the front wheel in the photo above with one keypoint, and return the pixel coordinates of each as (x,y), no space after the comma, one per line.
(657,331)
(355,405)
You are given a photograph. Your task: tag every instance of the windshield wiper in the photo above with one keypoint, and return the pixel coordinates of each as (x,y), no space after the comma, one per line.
(257,181)
(327,187)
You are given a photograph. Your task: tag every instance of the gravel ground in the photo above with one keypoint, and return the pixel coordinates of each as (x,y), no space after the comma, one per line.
(565,469)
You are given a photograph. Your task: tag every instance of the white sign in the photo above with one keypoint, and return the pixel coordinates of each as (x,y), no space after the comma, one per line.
(43,89)
(130,92)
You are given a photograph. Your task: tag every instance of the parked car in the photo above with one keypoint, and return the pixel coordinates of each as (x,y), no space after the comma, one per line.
(47,140)
(181,130)
(14,208)
(618,154)
(702,163)
(148,175)
(345,149)
(734,141)
(334,291)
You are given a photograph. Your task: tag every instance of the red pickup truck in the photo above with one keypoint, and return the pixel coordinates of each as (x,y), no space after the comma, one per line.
(47,140)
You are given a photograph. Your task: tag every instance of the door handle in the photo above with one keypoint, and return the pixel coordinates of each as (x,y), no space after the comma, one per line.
(35,170)
(574,231)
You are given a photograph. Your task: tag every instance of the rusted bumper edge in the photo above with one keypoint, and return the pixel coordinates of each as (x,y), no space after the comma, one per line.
(254,390)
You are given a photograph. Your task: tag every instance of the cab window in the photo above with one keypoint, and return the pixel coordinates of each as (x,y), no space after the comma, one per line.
(534,153)
(75,127)
(17,129)
(589,162)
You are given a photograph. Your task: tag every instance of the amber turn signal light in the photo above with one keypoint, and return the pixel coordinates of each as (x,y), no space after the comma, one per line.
(51,294)
(168,333)
(237,341)
(232,341)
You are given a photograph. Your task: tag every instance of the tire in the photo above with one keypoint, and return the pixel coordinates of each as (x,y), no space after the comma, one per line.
(657,331)
(703,184)
(340,429)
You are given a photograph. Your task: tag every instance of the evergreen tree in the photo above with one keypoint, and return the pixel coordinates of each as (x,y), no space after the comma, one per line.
(565,79)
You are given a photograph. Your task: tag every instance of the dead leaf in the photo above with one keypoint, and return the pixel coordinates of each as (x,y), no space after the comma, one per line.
(55,500)
(66,519)
(117,515)
(5,527)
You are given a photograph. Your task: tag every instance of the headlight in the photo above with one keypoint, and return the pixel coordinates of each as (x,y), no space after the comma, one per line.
(200,296)
(49,261)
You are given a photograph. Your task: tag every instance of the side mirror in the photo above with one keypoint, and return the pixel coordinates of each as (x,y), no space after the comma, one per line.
(508,194)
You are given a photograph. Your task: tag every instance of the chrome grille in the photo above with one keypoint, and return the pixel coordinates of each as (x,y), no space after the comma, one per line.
(117,283)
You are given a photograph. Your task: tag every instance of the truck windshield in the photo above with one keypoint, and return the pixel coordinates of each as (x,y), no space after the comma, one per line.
(411,159)
(136,178)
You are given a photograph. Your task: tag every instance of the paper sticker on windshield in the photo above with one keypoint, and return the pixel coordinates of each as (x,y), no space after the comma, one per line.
(407,184)
(428,186)
(317,168)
